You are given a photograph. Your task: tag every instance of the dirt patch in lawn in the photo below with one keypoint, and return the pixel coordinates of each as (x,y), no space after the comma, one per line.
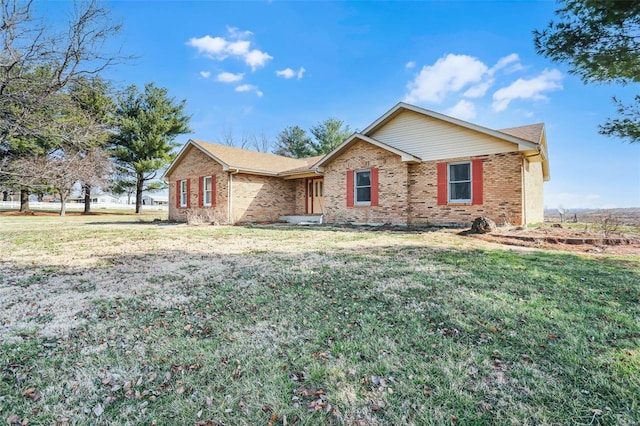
(573,238)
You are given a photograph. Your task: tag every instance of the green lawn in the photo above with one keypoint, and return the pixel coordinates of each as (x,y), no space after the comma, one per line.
(110,320)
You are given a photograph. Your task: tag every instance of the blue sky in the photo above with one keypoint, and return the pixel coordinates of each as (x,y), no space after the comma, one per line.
(253,68)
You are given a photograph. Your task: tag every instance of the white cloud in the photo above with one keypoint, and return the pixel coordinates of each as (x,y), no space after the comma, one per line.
(463,110)
(447,75)
(227,77)
(234,45)
(479,90)
(531,88)
(256,59)
(286,73)
(236,33)
(409,65)
(504,61)
(213,47)
(249,88)
(238,48)
(205,74)
(289,73)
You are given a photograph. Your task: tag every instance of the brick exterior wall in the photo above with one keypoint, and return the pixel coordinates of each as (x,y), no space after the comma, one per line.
(262,198)
(502,192)
(393,183)
(255,198)
(301,197)
(408,193)
(193,165)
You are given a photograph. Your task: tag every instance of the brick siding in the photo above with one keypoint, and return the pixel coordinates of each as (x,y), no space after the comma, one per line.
(262,198)
(408,193)
(502,192)
(195,164)
(392,178)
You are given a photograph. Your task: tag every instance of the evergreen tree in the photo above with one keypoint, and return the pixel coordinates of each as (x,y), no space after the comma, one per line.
(600,42)
(146,126)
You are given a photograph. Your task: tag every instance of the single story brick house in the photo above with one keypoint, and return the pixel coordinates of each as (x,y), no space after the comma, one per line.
(411,166)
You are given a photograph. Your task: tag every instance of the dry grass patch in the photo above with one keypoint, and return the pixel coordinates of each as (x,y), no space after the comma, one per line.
(111,321)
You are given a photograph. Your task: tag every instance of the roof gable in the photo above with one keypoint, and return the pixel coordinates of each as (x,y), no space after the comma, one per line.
(427,135)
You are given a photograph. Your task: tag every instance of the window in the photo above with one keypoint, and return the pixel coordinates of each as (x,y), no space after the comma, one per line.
(362,187)
(206,184)
(460,182)
(183,193)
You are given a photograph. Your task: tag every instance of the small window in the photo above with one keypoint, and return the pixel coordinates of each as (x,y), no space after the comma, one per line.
(460,182)
(183,193)
(206,190)
(362,187)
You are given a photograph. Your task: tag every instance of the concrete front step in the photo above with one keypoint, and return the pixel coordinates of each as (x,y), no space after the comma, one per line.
(312,219)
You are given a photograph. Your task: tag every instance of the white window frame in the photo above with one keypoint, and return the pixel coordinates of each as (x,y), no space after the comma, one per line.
(206,192)
(469,181)
(183,193)
(355,188)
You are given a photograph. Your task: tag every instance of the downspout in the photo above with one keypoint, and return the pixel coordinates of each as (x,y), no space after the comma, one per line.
(524,193)
(230,197)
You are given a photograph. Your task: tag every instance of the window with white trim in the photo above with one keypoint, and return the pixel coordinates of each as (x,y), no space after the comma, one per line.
(362,187)
(206,183)
(459,184)
(183,193)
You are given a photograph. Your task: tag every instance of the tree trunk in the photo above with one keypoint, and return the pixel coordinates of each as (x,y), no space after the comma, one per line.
(87,199)
(63,203)
(139,183)
(24,200)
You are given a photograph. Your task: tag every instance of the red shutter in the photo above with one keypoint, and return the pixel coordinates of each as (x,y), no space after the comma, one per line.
(349,188)
(476,181)
(374,187)
(177,194)
(188,193)
(201,192)
(213,190)
(442,184)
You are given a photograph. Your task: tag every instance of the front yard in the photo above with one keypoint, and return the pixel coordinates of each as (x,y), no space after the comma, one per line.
(108,320)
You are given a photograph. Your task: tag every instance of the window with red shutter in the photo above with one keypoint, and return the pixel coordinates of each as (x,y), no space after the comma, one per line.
(442,183)
(350,188)
(476,181)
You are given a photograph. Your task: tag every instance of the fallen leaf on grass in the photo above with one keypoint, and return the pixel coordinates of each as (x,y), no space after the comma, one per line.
(98,410)
(32,394)
(273,419)
(13,420)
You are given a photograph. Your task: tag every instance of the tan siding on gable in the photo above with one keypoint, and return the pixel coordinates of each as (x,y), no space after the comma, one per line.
(433,139)
(533,192)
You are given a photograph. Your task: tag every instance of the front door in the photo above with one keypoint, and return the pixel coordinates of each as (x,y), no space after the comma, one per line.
(315,196)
